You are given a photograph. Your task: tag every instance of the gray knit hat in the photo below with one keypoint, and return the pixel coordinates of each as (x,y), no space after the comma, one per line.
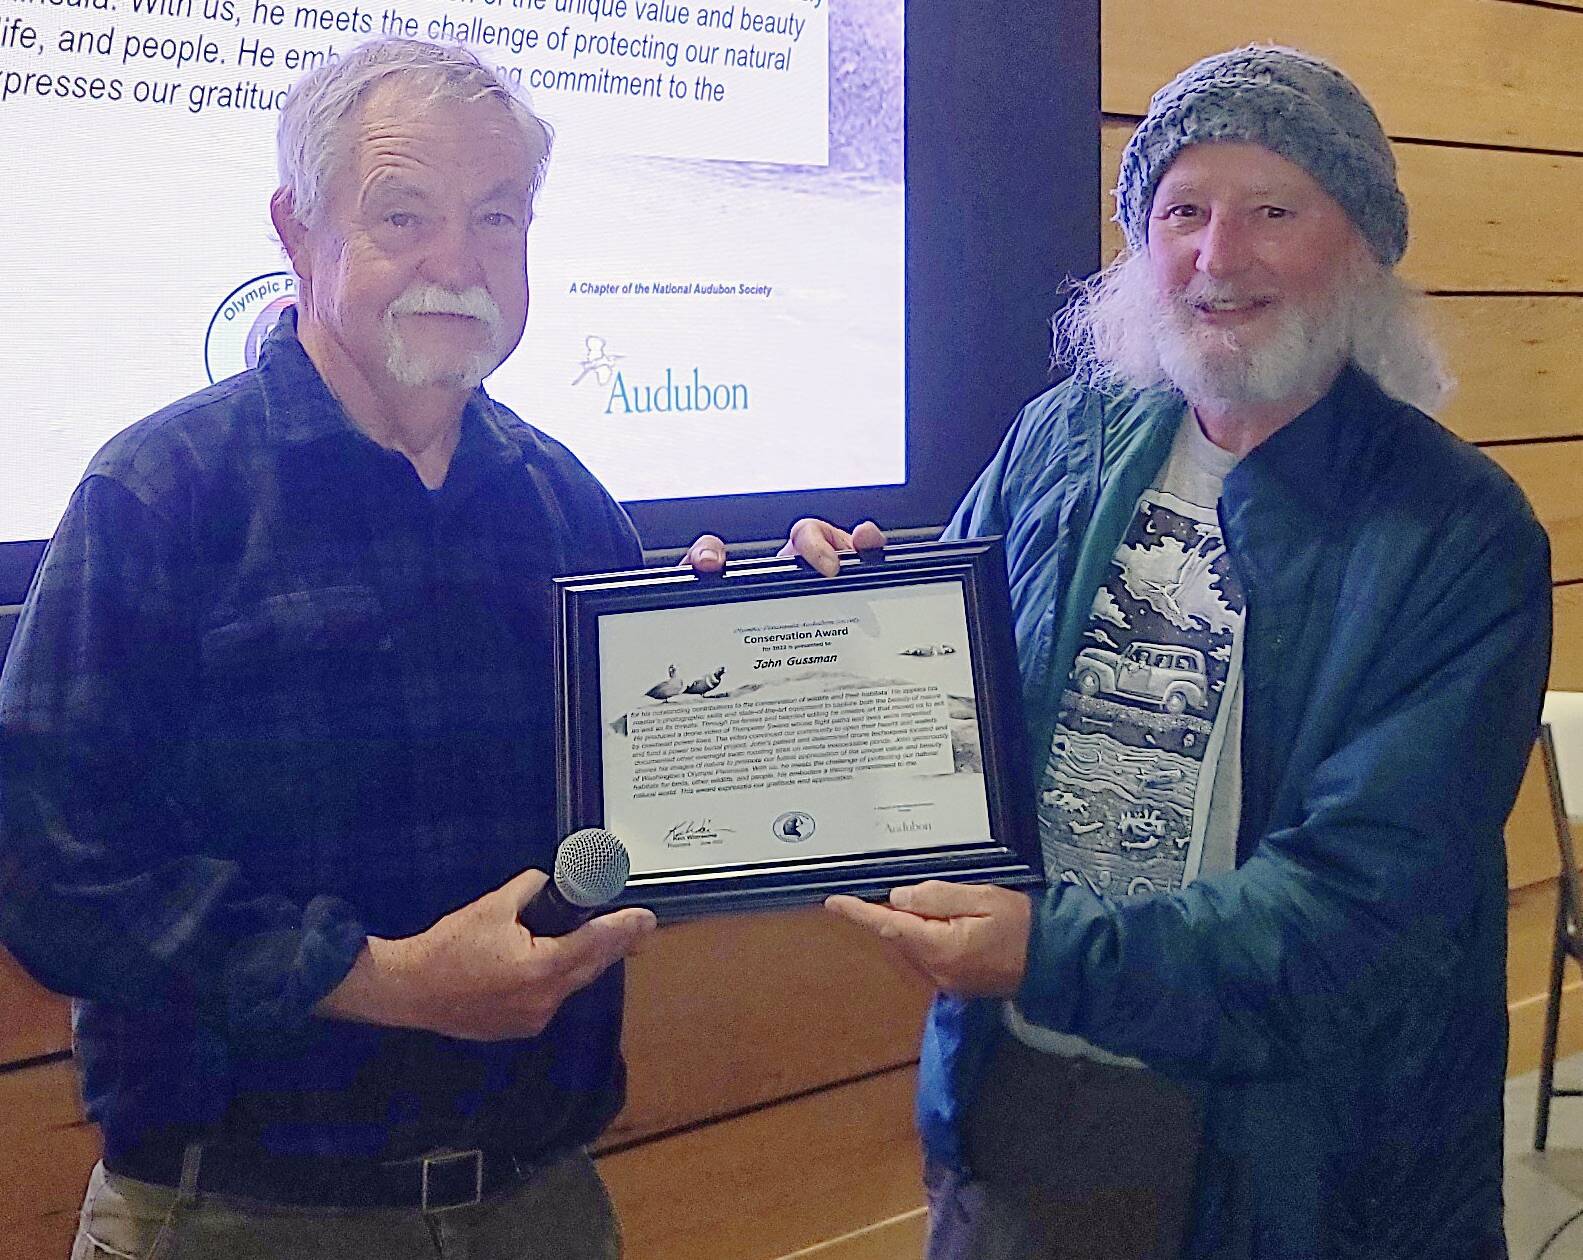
(1296,105)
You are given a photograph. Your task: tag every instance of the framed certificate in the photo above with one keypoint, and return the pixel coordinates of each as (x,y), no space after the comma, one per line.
(768,736)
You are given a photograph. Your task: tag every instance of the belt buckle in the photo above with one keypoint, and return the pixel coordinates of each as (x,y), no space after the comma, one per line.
(447,1183)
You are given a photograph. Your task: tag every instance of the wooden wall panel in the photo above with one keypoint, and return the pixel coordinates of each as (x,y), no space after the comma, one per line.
(1566,650)
(900,1238)
(45,1159)
(1482,221)
(775,1182)
(1113,136)
(1531,922)
(1518,366)
(33,1021)
(1527,1015)
(1470,71)
(727,1013)
(1551,475)
(1531,853)
(1531,915)
(1489,221)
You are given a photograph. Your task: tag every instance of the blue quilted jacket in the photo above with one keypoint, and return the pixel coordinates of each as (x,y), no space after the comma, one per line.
(1339,998)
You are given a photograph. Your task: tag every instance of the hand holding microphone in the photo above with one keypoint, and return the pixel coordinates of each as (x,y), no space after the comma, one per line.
(591,869)
(475,974)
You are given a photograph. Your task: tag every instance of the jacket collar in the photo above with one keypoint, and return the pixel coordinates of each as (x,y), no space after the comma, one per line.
(1313,459)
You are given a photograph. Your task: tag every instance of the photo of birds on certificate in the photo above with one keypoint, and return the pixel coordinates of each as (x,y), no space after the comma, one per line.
(806,726)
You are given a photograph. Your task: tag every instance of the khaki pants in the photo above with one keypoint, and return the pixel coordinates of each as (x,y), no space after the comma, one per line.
(1071,1160)
(562,1213)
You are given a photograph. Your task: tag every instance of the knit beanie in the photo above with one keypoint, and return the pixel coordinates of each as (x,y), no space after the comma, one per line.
(1295,105)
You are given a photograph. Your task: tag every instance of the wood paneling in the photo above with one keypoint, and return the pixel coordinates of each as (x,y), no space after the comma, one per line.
(1527,1028)
(1566,651)
(1531,853)
(1482,221)
(1113,137)
(45,1159)
(1551,475)
(1531,926)
(1531,913)
(726,1013)
(1518,365)
(775,1182)
(33,1021)
(1500,222)
(900,1238)
(1471,71)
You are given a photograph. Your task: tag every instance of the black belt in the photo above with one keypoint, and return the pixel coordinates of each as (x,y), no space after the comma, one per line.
(435,1182)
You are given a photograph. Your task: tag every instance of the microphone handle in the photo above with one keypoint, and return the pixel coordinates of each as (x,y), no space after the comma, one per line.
(548,913)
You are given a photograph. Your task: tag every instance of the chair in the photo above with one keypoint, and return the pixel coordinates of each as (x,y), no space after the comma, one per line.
(1561,751)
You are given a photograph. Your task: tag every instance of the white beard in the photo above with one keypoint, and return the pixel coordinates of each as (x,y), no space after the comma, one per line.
(1119,332)
(1295,358)
(416,369)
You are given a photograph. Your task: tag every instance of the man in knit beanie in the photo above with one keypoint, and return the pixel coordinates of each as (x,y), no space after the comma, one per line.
(1283,641)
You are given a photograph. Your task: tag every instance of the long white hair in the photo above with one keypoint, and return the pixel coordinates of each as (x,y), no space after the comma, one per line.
(1119,332)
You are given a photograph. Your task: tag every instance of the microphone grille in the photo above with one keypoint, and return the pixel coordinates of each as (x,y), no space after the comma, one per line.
(591,867)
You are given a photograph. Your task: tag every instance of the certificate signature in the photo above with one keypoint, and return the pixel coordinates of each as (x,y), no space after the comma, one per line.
(691,831)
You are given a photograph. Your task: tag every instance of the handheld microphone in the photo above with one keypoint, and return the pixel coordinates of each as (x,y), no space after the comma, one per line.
(591,869)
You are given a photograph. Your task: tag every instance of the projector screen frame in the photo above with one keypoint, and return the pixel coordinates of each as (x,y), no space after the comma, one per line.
(1002,160)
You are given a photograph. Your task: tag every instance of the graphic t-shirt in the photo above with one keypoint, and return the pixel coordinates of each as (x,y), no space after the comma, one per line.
(1142,789)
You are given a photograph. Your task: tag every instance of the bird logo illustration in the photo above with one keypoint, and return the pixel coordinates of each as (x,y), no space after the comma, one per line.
(793,826)
(597,361)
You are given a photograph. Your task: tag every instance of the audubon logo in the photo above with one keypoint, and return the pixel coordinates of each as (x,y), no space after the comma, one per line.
(677,391)
(692,393)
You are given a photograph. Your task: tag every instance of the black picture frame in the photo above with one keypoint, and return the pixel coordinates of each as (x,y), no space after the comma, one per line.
(976,567)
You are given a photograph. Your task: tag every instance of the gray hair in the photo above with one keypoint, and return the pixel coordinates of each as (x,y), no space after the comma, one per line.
(1109,333)
(310,141)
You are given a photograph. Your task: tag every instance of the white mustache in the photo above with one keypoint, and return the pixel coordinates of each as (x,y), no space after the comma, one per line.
(432,299)
(1218,295)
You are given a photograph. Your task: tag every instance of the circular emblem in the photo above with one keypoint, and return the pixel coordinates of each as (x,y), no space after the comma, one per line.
(242,321)
(793,826)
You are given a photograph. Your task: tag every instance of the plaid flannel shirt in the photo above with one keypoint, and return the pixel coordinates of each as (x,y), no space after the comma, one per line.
(270,695)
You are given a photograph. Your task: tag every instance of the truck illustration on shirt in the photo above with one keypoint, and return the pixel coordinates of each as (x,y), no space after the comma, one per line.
(1159,673)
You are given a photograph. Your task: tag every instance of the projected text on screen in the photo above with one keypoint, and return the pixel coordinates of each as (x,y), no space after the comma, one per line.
(716,260)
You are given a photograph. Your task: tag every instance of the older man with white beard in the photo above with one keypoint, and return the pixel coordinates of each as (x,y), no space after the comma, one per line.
(1282,640)
(277,754)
